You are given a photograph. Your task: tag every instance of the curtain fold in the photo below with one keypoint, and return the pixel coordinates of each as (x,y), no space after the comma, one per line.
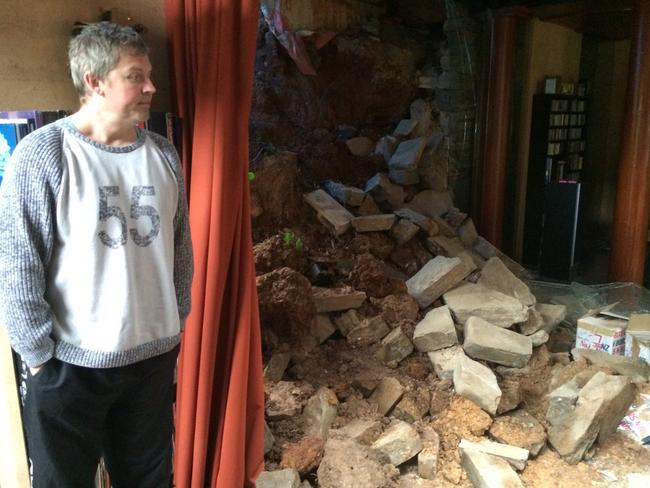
(220,395)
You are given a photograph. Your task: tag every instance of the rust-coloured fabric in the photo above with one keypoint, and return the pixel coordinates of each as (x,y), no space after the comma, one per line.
(220,395)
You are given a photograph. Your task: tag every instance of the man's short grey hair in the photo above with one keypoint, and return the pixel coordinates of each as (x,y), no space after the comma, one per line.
(97,49)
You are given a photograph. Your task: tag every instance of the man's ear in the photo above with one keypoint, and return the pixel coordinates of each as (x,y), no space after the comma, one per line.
(93,84)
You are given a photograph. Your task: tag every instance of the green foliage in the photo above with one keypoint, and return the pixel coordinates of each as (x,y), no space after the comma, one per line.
(290,239)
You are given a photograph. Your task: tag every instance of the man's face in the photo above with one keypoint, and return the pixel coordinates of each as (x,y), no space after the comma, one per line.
(128,88)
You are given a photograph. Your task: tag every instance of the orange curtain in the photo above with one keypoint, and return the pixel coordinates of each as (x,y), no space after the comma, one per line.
(220,396)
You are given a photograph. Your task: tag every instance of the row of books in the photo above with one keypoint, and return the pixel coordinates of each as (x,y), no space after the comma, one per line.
(17,124)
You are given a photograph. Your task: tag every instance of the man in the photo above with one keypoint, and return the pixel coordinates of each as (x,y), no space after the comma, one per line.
(95,274)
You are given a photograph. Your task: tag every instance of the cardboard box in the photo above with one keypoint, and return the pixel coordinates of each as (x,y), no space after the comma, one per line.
(637,337)
(601,333)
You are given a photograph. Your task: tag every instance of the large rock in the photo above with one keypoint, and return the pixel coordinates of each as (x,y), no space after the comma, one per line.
(435,278)
(285,478)
(601,405)
(399,442)
(435,331)
(446,360)
(319,413)
(495,344)
(478,383)
(471,299)
(348,464)
(395,346)
(497,276)
(387,394)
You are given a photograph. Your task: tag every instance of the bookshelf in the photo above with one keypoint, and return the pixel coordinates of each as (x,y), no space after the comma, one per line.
(558,140)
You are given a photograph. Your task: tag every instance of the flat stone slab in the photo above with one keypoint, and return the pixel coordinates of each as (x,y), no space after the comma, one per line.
(335,217)
(486,471)
(470,299)
(344,194)
(495,344)
(399,442)
(373,223)
(337,299)
(435,278)
(515,456)
(422,221)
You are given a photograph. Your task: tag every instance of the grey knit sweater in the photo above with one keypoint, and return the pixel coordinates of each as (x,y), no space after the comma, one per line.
(33,227)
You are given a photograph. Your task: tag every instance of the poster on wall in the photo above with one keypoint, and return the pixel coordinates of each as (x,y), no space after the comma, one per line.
(9,137)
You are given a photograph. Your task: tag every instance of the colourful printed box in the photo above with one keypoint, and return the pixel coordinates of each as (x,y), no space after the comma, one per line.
(601,333)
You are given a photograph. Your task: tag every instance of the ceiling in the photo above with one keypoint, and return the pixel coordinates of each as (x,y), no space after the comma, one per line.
(613,20)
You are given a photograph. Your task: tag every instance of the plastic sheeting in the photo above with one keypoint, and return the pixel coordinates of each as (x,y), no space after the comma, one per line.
(581,299)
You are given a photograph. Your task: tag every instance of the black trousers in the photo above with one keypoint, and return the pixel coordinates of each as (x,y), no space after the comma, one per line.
(74,415)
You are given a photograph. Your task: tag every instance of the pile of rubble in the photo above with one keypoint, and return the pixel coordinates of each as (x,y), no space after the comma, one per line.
(405,317)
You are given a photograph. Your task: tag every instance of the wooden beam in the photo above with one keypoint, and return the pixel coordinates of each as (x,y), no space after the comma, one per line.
(632,210)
